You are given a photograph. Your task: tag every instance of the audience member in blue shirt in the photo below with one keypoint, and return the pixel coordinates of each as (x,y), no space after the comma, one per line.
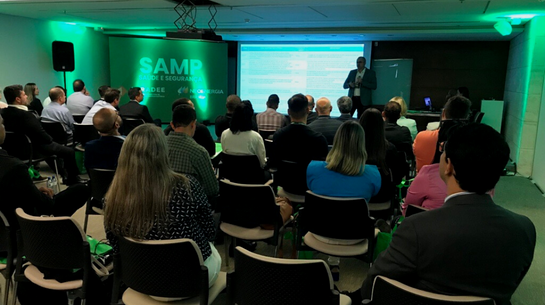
(344,173)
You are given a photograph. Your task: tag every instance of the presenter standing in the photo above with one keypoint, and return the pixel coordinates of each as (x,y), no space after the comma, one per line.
(359,83)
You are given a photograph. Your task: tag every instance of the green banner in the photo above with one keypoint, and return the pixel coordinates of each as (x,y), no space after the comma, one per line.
(170,69)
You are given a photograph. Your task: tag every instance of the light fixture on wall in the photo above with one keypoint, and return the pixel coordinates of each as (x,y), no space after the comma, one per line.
(503,27)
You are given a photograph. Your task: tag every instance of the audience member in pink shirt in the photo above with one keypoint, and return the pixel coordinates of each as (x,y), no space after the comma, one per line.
(427,190)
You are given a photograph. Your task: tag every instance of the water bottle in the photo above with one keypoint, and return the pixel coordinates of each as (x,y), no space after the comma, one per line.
(333,261)
(52,184)
(49,182)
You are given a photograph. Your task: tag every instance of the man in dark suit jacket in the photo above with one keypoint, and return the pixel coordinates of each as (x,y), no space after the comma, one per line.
(18,191)
(297,142)
(224,121)
(133,109)
(400,136)
(359,83)
(470,245)
(312,115)
(324,124)
(17,118)
(104,152)
(344,103)
(202,135)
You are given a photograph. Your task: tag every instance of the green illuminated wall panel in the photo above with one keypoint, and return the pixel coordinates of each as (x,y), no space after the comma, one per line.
(170,69)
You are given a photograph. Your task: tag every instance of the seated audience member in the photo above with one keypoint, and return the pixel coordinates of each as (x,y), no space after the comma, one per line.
(427,189)
(403,121)
(17,118)
(383,154)
(345,173)
(18,191)
(297,142)
(435,125)
(425,143)
(324,124)
(101,91)
(240,139)
(32,92)
(133,109)
(202,134)
(452,256)
(185,155)
(270,120)
(345,106)
(111,100)
(223,121)
(400,136)
(161,204)
(47,99)
(103,152)
(57,112)
(254,118)
(79,102)
(311,114)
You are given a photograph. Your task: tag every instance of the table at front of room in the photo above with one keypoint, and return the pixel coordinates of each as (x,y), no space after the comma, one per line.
(422,118)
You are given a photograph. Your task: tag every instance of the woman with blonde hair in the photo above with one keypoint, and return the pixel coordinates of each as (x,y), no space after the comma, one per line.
(403,121)
(149,201)
(345,173)
(32,92)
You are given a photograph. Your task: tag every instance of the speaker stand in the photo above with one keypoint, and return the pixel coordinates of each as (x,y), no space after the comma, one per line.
(64,76)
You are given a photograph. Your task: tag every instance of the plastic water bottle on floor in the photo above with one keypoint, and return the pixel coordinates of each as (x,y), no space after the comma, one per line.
(52,183)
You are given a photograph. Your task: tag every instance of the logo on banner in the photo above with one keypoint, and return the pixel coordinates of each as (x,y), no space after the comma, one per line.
(173,71)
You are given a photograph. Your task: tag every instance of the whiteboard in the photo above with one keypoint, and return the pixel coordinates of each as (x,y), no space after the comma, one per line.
(394,77)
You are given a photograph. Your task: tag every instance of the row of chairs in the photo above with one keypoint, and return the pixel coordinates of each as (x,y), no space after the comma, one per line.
(175,269)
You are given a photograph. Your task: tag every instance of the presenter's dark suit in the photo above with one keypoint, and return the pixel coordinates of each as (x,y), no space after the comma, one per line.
(18,190)
(368,83)
(469,246)
(133,109)
(18,120)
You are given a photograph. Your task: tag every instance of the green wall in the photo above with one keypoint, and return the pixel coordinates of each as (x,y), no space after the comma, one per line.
(26,56)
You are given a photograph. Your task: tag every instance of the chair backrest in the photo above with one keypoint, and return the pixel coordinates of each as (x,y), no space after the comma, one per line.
(129,124)
(292,176)
(100,182)
(479,117)
(7,244)
(266,134)
(164,268)
(85,133)
(248,205)
(56,131)
(413,209)
(78,118)
(335,217)
(387,291)
(265,280)
(18,145)
(53,242)
(241,169)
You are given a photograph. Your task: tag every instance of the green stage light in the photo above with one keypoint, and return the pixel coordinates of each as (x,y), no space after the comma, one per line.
(503,27)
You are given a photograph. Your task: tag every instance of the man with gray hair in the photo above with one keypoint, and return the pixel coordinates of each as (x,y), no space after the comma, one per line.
(56,111)
(345,106)
(312,115)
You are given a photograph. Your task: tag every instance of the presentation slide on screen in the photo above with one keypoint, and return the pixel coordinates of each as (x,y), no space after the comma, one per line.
(167,70)
(287,69)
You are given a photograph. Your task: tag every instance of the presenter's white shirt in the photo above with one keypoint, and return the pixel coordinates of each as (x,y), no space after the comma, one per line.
(360,75)
(88,119)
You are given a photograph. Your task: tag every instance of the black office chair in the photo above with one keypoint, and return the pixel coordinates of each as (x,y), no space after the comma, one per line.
(100,180)
(292,178)
(129,124)
(336,218)
(163,268)
(18,145)
(54,243)
(259,279)
(78,118)
(84,134)
(8,249)
(242,169)
(478,117)
(387,291)
(266,134)
(244,208)
(56,131)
